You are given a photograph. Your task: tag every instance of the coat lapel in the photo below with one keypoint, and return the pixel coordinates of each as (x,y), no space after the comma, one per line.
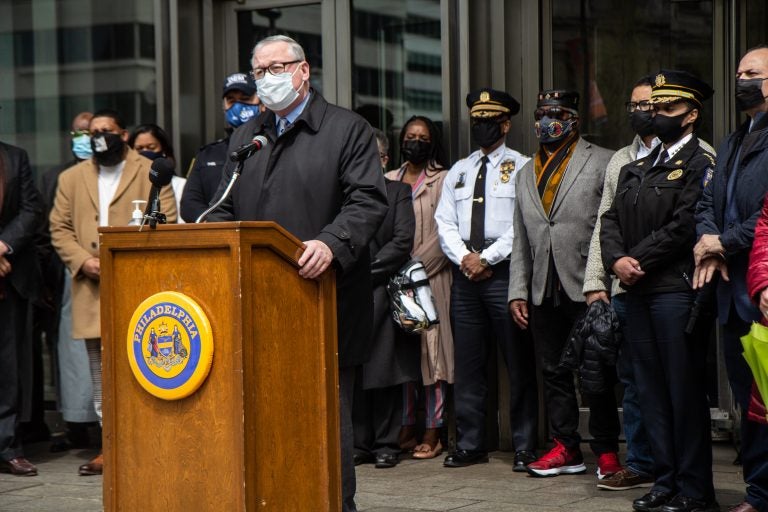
(91,183)
(581,155)
(529,182)
(130,173)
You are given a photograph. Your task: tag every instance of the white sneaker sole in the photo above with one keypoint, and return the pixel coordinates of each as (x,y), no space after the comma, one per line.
(562,470)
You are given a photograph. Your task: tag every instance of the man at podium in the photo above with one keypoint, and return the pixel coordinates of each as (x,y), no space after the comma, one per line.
(319,177)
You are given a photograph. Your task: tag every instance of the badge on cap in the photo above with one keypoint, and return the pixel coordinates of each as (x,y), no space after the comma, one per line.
(484,96)
(660,80)
(674,174)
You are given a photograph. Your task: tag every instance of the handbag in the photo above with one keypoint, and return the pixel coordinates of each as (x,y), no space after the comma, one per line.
(411,299)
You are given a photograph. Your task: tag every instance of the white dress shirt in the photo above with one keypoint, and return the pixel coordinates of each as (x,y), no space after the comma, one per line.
(454,211)
(109,179)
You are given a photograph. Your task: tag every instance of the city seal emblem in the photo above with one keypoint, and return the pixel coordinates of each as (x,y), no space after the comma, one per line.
(170,345)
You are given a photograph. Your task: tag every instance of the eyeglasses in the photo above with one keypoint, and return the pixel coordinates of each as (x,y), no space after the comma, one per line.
(553,112)
(642,106)
(274,69)
(77,133)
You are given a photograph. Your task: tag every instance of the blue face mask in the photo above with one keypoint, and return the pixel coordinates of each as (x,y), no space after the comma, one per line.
(550,130)
(81,146)
(240,113)
(152,155)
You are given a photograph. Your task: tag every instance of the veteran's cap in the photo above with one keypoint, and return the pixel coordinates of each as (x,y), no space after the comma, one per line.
(564,98)
(239,82)
(488,102)
(671,85)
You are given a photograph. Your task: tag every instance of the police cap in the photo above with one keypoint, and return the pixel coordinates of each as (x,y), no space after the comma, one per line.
(488,102)
(239,82)
(672,85)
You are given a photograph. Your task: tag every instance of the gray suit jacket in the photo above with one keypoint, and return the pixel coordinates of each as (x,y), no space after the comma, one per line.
(565,233)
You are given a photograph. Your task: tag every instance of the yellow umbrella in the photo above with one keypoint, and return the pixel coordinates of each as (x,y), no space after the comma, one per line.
(756,353)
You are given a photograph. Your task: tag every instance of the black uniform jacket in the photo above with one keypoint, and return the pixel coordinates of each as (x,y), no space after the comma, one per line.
(320,180)
(203,179)
(652,217)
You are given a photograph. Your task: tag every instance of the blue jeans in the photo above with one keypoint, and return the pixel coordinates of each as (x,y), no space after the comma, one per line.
(639,458)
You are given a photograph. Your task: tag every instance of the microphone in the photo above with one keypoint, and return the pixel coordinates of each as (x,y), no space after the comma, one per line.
(246,151)
(160,174)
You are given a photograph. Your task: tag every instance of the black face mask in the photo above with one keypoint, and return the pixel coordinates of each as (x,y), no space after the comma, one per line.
(152,155)
(416,151)
(486,133)
(107,149)
(669,128)
(749,93)
(641,122)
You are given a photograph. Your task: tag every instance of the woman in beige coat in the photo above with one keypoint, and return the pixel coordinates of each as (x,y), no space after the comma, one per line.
(424,169)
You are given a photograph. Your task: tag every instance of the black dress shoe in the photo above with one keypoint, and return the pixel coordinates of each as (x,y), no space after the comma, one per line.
(464,458)
(522,459)
(651,502)
(363,458)
(386,460)
(682,503)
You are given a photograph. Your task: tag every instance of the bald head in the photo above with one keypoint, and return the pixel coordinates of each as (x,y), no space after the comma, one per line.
(81,121)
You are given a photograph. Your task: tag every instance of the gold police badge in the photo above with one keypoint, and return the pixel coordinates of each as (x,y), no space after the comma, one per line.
(674,174)
(660,80)
(484,96)
(506,168)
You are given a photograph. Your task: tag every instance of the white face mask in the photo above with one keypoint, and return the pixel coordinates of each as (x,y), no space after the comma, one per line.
(276,91)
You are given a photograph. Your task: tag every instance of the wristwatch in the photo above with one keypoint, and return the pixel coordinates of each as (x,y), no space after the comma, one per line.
(484,262)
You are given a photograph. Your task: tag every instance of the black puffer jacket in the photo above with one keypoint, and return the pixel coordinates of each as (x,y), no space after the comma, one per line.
(592,345)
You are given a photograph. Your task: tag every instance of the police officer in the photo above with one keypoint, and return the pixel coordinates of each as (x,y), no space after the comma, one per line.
(240,104)
(474,220)
(647,238)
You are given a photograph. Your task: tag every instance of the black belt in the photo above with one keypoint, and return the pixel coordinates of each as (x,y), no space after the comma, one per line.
(486,244)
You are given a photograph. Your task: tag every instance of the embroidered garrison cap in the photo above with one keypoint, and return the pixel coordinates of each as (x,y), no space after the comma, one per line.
(672,85)
(559,98)
(239,82)
(488,102)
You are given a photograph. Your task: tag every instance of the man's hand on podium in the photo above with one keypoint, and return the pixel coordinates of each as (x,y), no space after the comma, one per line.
(315,259)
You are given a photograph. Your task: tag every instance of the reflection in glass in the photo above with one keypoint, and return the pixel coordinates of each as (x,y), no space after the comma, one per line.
(60,58)
(302,23)
(601,48)
(397,67)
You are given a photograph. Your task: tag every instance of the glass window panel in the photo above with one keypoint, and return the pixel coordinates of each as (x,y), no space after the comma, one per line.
(60,58)
(302,23)
(397,63)
(601,47)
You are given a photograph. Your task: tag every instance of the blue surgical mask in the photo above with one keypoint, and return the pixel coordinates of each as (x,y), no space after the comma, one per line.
(240,113)
(81,146)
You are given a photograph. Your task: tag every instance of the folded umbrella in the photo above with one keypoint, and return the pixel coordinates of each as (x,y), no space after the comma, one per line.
(755,344)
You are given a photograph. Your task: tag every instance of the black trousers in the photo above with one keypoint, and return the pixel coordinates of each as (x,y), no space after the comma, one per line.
(12,324)
(481,319)
(348,481)
(550,326)
(669,372)
(754,436)
(376,418)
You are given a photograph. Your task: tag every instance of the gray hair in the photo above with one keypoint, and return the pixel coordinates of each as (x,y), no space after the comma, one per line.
(296,49)
(382,139)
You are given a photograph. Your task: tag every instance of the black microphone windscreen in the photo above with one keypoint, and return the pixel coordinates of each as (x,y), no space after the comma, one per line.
(161,172)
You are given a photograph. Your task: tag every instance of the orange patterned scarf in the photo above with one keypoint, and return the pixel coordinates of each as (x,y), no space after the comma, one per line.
(550,169)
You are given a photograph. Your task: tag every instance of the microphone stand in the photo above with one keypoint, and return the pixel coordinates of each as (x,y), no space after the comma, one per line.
(232,180)
(153,214)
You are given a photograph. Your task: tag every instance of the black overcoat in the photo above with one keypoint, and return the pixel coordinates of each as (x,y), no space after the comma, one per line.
(320,180)
(395,355)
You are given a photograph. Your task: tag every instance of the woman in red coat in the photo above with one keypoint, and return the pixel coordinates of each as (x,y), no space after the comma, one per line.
(757,274)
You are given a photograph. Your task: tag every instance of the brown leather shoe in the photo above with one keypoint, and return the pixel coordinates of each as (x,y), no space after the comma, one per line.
(94,467)
(742,507)
(19,466)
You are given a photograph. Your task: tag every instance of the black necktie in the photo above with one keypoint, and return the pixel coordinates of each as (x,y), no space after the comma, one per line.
(477,231)
(662,157)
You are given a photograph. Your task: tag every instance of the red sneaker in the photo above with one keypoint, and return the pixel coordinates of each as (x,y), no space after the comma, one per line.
(607,465)
(558,460)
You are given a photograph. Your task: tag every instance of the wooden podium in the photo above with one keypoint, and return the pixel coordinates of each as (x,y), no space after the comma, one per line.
(262,431)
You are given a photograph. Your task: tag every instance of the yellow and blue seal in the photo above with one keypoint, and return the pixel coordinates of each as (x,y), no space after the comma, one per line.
(170,345)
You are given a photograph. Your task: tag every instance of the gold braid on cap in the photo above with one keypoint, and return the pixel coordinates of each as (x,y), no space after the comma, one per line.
(488,110)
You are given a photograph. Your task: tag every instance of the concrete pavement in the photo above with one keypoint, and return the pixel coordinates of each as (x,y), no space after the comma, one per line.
(411,486)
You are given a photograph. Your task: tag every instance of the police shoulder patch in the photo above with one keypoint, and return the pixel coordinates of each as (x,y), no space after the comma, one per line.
(170,345)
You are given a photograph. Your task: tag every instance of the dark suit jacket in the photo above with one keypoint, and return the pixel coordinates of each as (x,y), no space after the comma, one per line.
(750,190)
(19,220)
(321,180)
